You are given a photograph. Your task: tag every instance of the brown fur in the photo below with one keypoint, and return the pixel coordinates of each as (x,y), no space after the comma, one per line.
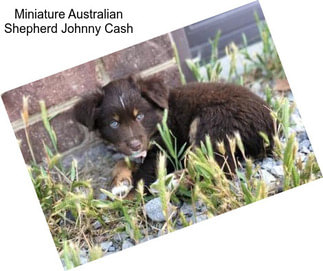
(195,110)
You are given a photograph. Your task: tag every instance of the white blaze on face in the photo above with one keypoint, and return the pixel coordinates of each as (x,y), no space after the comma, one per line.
(124,108)
(130,131)
(122,102)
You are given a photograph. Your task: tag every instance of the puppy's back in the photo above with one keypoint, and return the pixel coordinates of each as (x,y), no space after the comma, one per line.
(220,110)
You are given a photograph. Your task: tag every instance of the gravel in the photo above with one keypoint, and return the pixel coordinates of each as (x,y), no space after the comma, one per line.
(268,163)
(112,249)
(149,237)
(126,244)
(154,210)
(271,169)
(106,245)
(267,177)
(83,259)
(96,225)
(187,209)
(278,171)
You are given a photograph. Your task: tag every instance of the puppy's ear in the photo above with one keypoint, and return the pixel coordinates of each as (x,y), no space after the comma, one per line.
(155,91)
(85,111)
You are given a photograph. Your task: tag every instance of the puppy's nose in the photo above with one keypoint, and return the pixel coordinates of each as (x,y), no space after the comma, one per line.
(135,145)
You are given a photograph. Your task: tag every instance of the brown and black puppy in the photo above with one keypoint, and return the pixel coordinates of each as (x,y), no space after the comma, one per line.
(127,111)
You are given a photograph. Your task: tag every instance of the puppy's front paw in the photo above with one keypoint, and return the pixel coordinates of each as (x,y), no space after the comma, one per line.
(121,187)
(122,180)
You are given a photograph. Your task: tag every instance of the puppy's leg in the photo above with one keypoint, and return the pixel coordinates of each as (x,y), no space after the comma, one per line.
(193,131)
(122,182)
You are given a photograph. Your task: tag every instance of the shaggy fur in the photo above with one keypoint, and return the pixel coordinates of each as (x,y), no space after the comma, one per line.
(127,111)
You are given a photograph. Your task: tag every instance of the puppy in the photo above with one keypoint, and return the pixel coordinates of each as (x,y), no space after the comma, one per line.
(126,113)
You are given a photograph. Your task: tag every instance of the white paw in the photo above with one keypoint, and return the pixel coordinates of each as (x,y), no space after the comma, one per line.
(122,190)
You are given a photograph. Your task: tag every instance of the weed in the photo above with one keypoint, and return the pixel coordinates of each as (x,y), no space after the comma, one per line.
(178,62)
(174,155)
(213,68)
(268,61)
(71,255)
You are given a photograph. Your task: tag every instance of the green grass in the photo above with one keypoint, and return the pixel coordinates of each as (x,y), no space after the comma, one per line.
(174,155)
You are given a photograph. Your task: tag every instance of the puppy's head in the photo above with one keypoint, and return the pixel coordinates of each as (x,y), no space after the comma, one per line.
(125,113)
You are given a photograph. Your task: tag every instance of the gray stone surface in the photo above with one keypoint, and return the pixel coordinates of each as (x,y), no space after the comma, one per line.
(96,225)
(278,171)
(267,177)
(120,236)
(154,210)
(106,245)
(94,162)
(268,163)
(112,249)
(83,259)
(126,244)
(187,209)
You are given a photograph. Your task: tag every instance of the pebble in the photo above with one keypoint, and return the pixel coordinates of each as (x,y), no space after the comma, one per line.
(303,157)
(267,177)
(102,196)
(187,209)
(106,245)
(305,146)
(126,244)
(290,96)
(149,237)
(83,251)
(268,163)
(96,225)
(257,89)
(200,206)
(278,171)
(120,236)
(154,210)
(83,259)
(302,136)
(112,249)
(305,143)
(200,218)
(295,118)
(305,150)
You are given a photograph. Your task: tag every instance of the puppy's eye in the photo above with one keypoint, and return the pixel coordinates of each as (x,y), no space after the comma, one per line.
(114,124)
(140,117)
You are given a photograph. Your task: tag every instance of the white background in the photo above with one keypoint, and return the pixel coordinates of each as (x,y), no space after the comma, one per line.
(283,232)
